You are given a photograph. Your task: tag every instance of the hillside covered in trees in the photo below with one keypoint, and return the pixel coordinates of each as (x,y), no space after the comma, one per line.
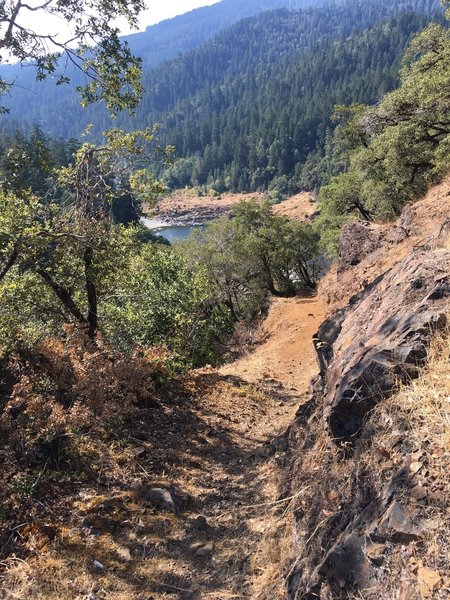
(254,128)
(246,109)
(160,42)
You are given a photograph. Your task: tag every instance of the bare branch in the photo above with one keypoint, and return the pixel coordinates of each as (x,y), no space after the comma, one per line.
(10,262)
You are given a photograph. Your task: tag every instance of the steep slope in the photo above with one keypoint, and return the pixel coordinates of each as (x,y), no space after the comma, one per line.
(209,92)
(372,464)
(175,36)
(369,250)
(195,492)
(249,116)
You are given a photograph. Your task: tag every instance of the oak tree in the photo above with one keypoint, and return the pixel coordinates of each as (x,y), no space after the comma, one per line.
(86,39)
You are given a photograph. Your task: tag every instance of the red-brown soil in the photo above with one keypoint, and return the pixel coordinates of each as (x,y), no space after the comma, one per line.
(186,205)
(299,207)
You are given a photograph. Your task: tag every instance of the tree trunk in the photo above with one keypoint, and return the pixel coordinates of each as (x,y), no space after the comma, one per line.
(91,292)
(363,212)
(64,296)
(304,273)
(10,262)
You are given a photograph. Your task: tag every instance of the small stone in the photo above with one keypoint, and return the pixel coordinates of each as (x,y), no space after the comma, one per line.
(415,467)
(200,523)
(206,550)
(429,581)
(138,450)
(202,549)
(124,553)
(162,497)
(419,492)
(98,565)
(397,525)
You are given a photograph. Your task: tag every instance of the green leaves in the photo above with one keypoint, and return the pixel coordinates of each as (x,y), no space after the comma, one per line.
(68,251)
(115,76)
(91,44)
(398,148)
(253,254)
(68,262)
(159,300)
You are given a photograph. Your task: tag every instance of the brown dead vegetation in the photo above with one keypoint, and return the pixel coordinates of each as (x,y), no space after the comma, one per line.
(86,432)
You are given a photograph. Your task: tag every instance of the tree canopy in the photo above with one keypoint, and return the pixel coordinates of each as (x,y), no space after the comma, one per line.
(88,40)
(255,253)
(396,149)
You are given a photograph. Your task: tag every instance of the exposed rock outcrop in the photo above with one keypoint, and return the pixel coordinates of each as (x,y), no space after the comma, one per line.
(359,239)
(357,513)
(384,337)
(380,247)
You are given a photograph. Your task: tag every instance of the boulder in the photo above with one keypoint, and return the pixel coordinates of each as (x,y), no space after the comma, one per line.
(360,238)
(355,518)
(382,341)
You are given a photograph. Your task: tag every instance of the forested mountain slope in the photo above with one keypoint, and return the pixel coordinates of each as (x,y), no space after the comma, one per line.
(30,100)
(246,108)
(183,33)
(250,128)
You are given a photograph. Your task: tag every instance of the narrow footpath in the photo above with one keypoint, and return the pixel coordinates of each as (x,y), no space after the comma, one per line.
(226,545)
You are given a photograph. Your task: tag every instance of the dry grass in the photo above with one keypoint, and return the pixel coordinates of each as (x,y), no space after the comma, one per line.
(411,431)
(210,437)
(405,445)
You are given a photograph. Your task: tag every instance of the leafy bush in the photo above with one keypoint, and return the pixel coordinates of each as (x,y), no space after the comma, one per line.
(160,300)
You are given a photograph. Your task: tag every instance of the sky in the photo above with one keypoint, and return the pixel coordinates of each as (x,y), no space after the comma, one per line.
(158,10)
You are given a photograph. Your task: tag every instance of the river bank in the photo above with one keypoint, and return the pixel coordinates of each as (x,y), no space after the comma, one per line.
(184,208)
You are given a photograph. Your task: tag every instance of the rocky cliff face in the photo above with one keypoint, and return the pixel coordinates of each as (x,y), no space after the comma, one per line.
(365,512)
(383,338)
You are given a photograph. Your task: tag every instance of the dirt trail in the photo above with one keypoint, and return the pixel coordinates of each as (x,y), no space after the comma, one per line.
(230,466)
(285,357)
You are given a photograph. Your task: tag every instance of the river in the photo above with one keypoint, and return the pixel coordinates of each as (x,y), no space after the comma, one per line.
(170,231)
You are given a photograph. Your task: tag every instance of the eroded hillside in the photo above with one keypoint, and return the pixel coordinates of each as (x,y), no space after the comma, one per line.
(238,482)
(371,522)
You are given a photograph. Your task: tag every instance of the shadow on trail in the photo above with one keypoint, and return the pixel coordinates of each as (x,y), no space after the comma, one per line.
(206,441)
